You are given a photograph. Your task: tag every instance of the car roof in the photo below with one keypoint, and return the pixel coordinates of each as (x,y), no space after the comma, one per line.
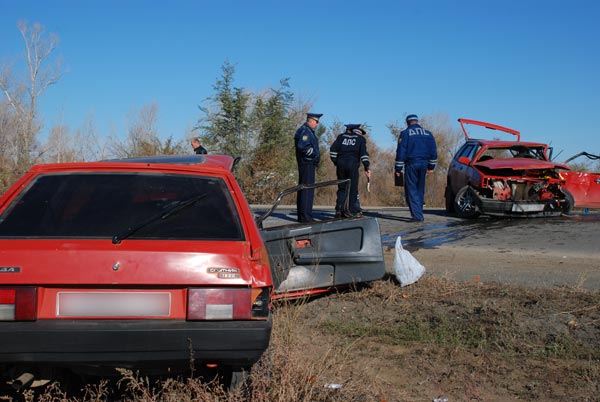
(206,163)
(224,161)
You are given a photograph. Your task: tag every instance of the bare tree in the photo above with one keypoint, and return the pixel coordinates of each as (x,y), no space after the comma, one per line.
(22,94)
(448,138)
(60,146)
(8,125)
(90,145)
(143,139)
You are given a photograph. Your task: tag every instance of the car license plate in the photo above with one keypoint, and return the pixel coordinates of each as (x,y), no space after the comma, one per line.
(527,207)
(113,304)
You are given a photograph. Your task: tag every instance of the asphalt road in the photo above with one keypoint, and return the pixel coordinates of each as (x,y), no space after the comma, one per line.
(547,252)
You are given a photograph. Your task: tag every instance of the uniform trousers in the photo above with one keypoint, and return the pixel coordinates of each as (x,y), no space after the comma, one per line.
(414,187)
(347,169)
(304,201)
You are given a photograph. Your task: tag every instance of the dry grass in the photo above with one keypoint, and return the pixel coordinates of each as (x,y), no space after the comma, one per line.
(437,338)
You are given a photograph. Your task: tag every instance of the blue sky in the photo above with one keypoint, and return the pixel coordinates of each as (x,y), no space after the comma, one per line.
(530,65)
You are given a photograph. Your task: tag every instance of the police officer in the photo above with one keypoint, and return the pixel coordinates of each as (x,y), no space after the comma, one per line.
(416,156)
(347,152)
(307,157)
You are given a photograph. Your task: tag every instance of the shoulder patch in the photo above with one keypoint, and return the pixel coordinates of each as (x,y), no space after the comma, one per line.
(304,137)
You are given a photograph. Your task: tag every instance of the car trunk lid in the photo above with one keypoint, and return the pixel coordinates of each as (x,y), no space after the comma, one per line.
(133,262)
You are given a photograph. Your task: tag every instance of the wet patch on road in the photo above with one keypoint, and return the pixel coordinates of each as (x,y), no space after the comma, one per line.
(419,235)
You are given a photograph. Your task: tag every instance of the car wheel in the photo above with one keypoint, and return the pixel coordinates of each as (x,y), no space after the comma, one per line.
(449,199)
(237,379)
(566,207)
(465,204)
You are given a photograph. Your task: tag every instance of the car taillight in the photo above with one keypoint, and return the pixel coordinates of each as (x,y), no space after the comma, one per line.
(227,304)
(18,304)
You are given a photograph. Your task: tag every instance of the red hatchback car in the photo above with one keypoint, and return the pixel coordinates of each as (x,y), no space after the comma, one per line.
(155,263)
(506,178)
(149,265)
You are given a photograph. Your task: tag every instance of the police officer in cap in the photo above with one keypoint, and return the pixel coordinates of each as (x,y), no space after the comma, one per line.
(307,157)
(416,156)
(347,152)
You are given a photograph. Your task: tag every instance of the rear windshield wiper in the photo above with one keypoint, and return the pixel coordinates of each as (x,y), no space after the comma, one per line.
(172,210)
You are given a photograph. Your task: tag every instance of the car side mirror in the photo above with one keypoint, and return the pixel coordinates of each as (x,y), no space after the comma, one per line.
(465,160)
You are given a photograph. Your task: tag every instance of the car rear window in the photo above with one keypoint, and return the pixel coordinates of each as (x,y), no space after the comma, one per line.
(128,205)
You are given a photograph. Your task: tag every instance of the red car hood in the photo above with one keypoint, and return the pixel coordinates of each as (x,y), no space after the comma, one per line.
(520,164)
(99,262)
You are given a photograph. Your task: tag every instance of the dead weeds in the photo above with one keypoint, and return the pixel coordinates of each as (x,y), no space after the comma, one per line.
(467,341)
(434,339)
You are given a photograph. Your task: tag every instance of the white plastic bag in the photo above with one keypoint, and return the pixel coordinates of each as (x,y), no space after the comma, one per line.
(406,267)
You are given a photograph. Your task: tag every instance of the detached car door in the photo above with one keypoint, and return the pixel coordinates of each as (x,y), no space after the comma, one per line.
(314,257)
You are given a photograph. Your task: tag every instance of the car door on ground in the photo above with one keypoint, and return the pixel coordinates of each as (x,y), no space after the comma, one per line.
(310,258)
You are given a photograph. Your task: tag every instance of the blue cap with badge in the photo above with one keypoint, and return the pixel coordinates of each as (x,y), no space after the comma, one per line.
(412,117)
(314,116)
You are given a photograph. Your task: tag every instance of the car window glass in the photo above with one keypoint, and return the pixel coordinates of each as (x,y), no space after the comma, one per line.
(99,205)
(514,151)
(499,153)
(467,150)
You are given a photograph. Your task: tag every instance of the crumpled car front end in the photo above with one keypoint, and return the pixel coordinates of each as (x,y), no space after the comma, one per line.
(525,188)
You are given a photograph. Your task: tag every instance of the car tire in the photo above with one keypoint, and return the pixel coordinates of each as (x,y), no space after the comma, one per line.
(567,206)
(449,196)
(465,204)
(238,379)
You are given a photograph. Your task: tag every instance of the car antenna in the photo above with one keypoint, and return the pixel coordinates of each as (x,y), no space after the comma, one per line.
(552,157)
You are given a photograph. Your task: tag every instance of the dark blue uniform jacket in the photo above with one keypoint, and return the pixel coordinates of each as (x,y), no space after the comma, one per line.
(417,145)
(349,147)
(307,146)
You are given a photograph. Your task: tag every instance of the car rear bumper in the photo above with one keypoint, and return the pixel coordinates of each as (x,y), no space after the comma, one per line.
(133,343)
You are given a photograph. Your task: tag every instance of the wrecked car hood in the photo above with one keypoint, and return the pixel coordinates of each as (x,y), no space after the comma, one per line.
(520,164)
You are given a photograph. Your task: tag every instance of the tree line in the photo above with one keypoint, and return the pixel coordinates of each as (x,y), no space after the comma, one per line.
(256,126)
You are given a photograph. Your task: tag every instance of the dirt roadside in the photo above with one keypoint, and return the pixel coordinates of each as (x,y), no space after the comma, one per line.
(507,311)
(464,341)
(549,252)
(526,268)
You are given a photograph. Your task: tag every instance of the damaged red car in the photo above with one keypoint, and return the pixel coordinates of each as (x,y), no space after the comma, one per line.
(505,178)
(156,265)
(140,264)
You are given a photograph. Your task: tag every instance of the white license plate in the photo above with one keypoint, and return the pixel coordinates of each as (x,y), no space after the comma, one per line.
(528,207)
(113,304)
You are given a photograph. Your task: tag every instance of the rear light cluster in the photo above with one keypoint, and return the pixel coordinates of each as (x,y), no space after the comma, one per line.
(18,304)
(228,304)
